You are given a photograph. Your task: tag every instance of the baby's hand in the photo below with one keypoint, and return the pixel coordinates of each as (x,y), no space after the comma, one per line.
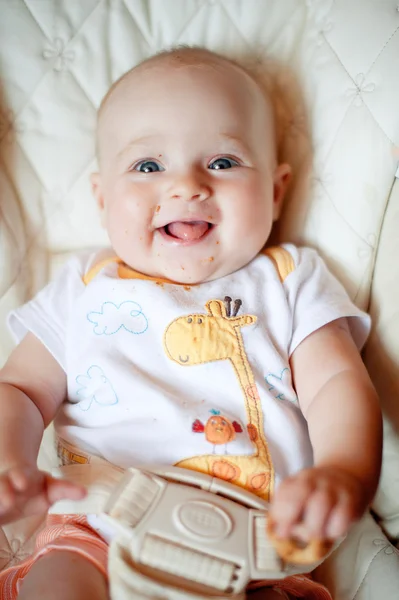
(317,503)
(27,491)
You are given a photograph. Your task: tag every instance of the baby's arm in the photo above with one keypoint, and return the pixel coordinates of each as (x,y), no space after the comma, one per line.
(342,411)
(32,387)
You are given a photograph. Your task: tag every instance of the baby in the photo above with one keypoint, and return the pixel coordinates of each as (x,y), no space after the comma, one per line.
(188,344)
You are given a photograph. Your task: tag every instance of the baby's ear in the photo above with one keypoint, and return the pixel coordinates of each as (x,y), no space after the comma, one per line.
(96,188)
(282,177)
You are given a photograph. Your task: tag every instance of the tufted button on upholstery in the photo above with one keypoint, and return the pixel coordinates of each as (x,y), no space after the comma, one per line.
(14,553)
(360,88)
(59,54)
(385,546)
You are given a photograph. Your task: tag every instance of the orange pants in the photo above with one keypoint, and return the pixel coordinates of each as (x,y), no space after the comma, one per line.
(72,532)
(62,532)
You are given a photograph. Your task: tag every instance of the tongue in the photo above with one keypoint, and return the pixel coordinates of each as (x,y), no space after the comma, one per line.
(188,231)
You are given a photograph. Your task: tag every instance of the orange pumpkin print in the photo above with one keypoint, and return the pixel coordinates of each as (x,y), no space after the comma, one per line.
(225,470)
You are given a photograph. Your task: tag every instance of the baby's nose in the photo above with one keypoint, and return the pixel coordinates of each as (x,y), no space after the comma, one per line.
(190,186)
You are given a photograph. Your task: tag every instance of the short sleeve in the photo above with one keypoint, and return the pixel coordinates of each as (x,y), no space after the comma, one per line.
(47,314)
(316,298)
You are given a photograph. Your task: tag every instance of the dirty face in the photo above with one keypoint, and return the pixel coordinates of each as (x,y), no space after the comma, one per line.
(187,170)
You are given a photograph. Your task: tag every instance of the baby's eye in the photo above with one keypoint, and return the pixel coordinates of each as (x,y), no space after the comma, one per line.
(148,166)
(223,163)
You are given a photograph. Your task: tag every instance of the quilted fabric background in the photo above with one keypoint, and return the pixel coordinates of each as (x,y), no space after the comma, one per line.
(341,133)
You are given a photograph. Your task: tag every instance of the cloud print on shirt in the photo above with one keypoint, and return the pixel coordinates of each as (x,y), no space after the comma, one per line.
(95,387)
(112,318)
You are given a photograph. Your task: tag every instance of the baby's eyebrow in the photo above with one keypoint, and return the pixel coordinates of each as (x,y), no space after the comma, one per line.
(236,142)
(141,141)
(232,143)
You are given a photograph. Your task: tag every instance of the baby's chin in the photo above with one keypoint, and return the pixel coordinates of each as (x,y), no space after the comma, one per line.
(191,275)
(188,270)
(207,270)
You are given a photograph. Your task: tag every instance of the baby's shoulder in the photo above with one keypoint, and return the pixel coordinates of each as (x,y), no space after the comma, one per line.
(77,265)
(287,258)
(300,254)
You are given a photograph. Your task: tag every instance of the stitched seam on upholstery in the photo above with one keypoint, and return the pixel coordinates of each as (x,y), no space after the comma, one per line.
(33,233)
(9,228)
(70,71)
(31,165)
(365,276)
(82,89)
(357,234)
(349,105)
(244,39)
(144,35)
(31,92)
(377,123)
(22,546)
(3,217)
(337,131)
(382,49)
(46,216)
(50,68)
(88,16)
(270,42)
(75,33)
(363,100)
(365,575)
(190,20)
(337,57)
(377,243)
(34,19)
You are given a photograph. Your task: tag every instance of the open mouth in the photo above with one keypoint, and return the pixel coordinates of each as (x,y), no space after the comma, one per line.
(186,231)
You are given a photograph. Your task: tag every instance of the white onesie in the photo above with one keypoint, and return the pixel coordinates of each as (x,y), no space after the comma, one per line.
(163,373)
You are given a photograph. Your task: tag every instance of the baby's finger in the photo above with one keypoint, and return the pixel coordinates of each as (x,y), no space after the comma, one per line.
(288,505)
(340,518)
(7,495)
(317,511)
(19,478)
(58,489)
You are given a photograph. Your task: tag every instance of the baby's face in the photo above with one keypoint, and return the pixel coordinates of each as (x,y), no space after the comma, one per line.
(188,184)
